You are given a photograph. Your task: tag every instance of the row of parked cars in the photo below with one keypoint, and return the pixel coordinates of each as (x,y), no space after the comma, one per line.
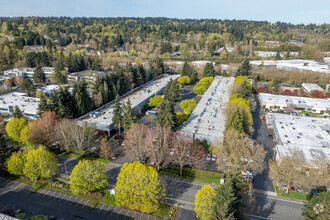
(211,157)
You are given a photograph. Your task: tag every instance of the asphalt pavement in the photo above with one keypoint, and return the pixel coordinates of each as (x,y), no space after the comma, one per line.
(17,195)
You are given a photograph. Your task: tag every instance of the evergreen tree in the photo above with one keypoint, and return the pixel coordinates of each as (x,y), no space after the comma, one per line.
(278,56)
(17,113)
(166,116)
(172,91)
(236,121)
(43,105)
(27,87)
(4,152)
(118,114)
(63,103)
(82,98)
(38,75)
(208,70)
(244,91)
(244,69)
(129,117)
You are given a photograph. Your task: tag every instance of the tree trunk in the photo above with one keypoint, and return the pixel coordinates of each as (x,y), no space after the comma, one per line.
(181,168)
(287,188)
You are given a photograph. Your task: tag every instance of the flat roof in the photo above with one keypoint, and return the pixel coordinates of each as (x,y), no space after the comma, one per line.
(309,65)
(311,86)
(26,104)
(207,121)
(308,134)
(103,116)
(89,73)
(295,100)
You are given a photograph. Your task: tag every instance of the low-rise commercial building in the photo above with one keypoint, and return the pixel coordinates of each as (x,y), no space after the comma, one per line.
(89,75)
(207,121)
(282,102)
(101,118)
(307,134)
(28,105)
(310,87)
(28,72)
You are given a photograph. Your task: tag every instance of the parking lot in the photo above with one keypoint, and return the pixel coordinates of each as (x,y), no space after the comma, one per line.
(17,195)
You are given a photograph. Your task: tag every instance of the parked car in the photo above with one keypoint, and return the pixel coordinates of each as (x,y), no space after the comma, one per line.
(214,157)
(208,157)
(144,160)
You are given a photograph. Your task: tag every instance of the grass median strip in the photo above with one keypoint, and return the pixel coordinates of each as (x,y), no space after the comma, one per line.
(190,174)
(292,194)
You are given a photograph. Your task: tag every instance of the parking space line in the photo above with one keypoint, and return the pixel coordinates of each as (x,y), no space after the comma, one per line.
(140,216)
(120,212)
(134,214)
(51,195)
(78,203)
(107,209)
(4,208)
(56,194)
(148,217)
(85,203)
(101,208)
(73,202)
(64,196)
(46,193)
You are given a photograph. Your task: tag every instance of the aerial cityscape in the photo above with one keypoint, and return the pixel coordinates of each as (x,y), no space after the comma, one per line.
(173,110)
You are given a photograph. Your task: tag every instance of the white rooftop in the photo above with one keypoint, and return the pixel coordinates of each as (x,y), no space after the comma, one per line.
(309,65)
(284,100)
(48,89)
(308,134)
(309,87)
(26,104)
(207,121)
(102,118)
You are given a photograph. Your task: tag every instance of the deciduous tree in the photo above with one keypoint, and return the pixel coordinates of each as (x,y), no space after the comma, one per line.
(88,176)
(139,187)
(15,163)
(183,80)
(14,128)
(39,163)
(105,149)
(155,101)
(188,105)
(204,202)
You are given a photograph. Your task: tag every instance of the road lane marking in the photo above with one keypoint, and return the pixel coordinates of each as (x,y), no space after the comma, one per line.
(255,216)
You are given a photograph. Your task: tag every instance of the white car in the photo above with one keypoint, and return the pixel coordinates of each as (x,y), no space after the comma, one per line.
(214,157)
(208,157)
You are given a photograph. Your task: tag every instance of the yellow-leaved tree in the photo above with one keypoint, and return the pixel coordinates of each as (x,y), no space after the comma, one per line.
(14,128)
(88,176)
(39,163)
(204,202)
(15,163)
(139,188)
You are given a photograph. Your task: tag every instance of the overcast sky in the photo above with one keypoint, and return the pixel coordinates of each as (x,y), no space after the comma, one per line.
(293,11)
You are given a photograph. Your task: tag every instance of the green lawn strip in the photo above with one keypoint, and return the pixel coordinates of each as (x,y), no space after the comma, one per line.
(292,194)
(75,155)
(202,176)
(108,199)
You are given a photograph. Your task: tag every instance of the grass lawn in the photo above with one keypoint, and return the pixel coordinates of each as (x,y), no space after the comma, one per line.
(292,194)
(78,156)
(162,210)
(202,176)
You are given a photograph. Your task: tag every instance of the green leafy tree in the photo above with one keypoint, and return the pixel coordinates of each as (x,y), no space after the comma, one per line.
(128,116)
(15,163)
(118,114)
(88,176)
(40,94)
(25,135)
(172,91)
(38,75)
(188,105)
(40,163)
(182,117)
(318,207)
(166,116)
(14,128)
(208,70)
(184,80)
(155,101)
(27,87)
(201,87)
(139,188)
(244,69)
(204,202)
(17,113)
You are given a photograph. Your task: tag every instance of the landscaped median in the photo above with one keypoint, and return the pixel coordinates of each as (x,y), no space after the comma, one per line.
(292,194)
(190,174)
(101,196)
